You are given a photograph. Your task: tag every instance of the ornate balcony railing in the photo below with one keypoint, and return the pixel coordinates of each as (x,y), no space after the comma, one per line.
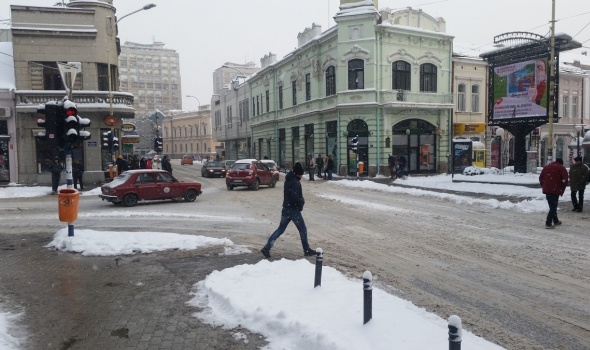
(28,100)
(401,97)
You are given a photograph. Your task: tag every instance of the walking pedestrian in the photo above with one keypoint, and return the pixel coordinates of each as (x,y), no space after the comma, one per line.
(142,163)
(77,174)
(330,167)
(553,180)
(578,177)
(293,203)
(311,165)
(319,163)
(391,164)
(56,170)
(166,164)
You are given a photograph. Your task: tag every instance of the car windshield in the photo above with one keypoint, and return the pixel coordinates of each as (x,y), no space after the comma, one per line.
(229,162)
(240,166)
(211,164)
(270,164)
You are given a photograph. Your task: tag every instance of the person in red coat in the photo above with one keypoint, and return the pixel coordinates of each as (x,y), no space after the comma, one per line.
(553,180)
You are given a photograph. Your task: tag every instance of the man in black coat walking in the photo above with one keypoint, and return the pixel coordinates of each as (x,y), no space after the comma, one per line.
(56,170)
(293,203)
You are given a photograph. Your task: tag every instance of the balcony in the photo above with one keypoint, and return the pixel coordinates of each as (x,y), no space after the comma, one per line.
(87,101)
(417,99)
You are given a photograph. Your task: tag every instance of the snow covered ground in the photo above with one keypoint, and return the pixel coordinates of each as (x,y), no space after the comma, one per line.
(277,298)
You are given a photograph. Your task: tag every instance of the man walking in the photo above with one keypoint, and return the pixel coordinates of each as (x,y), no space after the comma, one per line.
(78,174)
(293,202)
(56,170)
(578,176)
(330,167)
(553,180)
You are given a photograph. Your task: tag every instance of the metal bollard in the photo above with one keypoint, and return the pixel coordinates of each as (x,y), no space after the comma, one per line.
(455,330)
(319,259)
(367,296)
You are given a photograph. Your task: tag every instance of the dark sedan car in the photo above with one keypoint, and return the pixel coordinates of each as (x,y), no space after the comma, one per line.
(212,169)
(148,184)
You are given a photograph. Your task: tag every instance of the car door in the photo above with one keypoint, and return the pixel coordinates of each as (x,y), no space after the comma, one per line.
(145,186)
(167,186)
(264,173)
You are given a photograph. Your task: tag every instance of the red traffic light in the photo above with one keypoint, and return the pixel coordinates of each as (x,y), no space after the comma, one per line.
(71,112)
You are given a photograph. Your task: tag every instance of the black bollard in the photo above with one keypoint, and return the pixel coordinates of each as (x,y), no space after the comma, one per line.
(319,259)
(455,330)
(367,296)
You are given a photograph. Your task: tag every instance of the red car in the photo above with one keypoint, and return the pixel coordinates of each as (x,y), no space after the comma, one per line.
(250,173)
(148,184)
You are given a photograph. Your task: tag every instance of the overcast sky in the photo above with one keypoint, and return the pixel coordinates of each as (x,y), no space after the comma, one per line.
(207,34)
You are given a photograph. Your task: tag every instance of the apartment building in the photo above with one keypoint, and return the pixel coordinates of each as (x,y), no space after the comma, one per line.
(81,31)
(382,78)
(151,73)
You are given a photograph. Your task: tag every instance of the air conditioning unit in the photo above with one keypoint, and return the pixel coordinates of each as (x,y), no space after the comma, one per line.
(401,95)
(4,112)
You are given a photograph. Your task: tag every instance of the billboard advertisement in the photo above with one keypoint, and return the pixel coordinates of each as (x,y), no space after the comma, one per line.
(520,90)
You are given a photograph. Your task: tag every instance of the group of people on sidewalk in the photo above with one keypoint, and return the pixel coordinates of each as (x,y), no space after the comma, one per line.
(397,166)
(554,179)
(57,168)
(322,166)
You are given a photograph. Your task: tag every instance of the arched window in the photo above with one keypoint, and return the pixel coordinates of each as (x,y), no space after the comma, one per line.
(331,81)
(356,74)
(461,98)
(428,74)
(401,75)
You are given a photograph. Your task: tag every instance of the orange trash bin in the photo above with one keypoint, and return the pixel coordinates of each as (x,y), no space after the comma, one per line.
(361,167)
(67,200)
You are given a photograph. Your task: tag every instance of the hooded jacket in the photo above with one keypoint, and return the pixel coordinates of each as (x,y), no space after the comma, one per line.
(553,179)
(293,195)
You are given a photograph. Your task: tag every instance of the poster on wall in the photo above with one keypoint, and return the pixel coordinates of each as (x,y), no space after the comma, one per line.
(520,90)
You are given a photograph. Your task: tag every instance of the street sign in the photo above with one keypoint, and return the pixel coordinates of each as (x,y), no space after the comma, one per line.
(91,144)
(110,120)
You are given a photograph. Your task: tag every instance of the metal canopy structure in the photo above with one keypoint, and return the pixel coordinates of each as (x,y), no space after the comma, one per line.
(516,45)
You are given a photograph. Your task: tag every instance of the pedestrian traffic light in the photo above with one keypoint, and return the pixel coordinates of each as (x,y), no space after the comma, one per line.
(50,110)
(158,144)
(355,143)
(109,141)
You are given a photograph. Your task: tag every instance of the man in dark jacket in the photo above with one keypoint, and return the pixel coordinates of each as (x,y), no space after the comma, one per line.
(78,174)
(578,176)
(292,206)
(553,180)
(166,164)
(319,163)
(56,169)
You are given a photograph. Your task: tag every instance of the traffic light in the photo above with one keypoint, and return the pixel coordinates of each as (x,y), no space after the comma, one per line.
(73,125)
(355,143)
(50,110)
(109,141)
(158,144)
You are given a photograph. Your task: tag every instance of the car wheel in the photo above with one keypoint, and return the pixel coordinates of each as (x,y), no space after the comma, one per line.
(190,195)
(255,185)
(273,183)
(129,200)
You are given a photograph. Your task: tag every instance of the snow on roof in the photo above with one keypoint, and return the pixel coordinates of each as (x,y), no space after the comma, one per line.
(7,79)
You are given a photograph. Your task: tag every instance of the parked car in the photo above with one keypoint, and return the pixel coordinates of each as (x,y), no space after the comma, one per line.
(213,168)
(187,159)
(272,165)
(250,173)
(148,184)
(227,164)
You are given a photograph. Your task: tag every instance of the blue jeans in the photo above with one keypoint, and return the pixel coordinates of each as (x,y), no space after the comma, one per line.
(288,215)
(329,174)
(552,200)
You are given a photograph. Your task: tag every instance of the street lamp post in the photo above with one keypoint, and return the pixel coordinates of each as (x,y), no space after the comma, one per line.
(579,130)
(195,97)
(114,35)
